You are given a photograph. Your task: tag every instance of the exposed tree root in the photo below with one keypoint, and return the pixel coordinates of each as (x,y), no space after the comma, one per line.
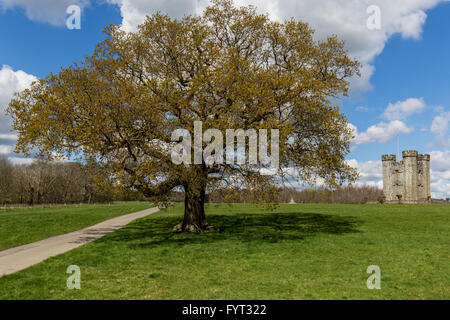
(195,229)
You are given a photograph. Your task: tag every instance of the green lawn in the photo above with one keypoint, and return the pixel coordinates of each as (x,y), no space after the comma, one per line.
(297,252)
(24,225)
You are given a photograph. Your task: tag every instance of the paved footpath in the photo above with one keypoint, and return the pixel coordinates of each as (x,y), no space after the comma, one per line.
(22,257)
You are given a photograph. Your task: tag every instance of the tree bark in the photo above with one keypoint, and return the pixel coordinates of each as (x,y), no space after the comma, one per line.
(194,209)
(31,196)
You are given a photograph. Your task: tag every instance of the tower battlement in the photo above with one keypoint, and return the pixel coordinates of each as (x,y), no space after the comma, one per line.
(423,157)
(388,157)
(410,153)
(408,180)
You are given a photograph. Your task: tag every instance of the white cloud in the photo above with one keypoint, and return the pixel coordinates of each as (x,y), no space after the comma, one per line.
(5,149)
(359,85)
(385,131)
(381,132)
(439,127)
(403,109)
(7,136)
(10,83)
(362,109)
(440,174)
(345,18)
(440,190)
(20,161)
(134,11)
(370,173)
(49,11)
(439,109)
(440,161)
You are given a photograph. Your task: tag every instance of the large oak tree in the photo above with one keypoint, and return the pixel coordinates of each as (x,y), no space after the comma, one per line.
(229,68)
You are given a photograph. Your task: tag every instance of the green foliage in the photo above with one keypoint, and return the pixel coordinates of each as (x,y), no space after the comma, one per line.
(229,68)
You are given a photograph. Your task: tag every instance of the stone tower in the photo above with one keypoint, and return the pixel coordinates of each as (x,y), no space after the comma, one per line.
(407,181)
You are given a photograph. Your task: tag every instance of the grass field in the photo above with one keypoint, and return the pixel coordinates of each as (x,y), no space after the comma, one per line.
(297,252)
(24,225)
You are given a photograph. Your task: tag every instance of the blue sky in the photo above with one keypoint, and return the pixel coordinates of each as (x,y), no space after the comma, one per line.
(408,68)
(404,90)
(39,48)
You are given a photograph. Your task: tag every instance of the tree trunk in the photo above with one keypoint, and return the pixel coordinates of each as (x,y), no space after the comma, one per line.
(194,210)
(31,196)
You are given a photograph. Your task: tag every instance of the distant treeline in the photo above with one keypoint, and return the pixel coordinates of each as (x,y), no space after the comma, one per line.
(347,195)
(54,183)
(68,182)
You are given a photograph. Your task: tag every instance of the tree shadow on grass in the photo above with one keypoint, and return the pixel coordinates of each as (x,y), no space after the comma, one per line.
(267,227)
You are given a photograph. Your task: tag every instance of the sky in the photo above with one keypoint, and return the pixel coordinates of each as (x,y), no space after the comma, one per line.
(400,102)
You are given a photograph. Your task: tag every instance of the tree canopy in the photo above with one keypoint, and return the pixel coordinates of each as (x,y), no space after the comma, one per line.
(230,68)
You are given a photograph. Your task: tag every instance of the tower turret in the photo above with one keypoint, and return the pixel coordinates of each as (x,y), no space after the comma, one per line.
(389,161)
(424,177)
(411,181)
